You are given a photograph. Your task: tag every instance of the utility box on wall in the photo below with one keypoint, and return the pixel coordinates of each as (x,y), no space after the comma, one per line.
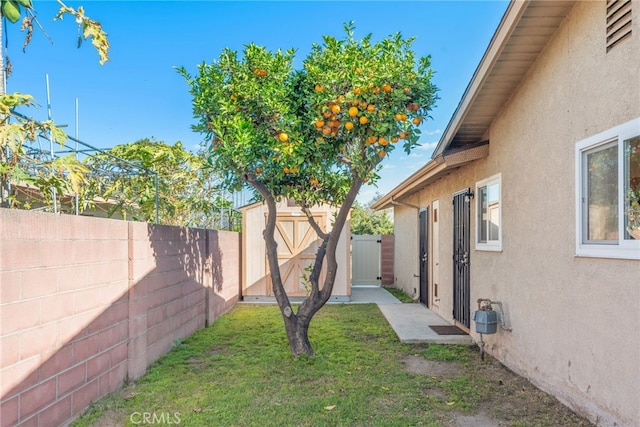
(486,321)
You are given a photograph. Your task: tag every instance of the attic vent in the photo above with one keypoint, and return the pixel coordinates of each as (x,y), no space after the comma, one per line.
(618,22)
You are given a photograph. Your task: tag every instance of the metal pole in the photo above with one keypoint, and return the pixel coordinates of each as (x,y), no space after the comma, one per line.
(77,205)
(53,190)
(155,182)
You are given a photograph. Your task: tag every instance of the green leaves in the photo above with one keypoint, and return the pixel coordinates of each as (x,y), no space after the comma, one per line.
(10,10)
(365,221)
(188,195)
(90,29)
(343,113)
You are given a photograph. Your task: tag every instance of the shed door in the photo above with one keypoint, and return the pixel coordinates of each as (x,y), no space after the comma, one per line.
(365,260)
(461,249)
(297,247)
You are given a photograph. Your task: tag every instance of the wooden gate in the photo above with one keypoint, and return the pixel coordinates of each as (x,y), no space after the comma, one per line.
(365,260)
(297,247)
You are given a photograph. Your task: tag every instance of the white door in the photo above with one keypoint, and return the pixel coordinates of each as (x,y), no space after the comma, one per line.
(365,260)
(435,252)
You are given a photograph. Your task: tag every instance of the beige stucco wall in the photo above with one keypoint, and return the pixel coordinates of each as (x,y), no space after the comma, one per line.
(576,321)
(254,281)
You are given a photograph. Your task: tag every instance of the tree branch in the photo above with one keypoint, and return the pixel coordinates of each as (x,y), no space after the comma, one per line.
(321,233)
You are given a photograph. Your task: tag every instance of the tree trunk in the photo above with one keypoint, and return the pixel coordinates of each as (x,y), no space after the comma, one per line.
(297,324)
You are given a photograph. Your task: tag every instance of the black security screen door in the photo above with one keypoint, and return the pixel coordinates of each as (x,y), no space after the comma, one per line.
(424,256)
(461,249)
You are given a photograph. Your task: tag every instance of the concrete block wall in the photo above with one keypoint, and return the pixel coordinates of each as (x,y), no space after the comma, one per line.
(86,303)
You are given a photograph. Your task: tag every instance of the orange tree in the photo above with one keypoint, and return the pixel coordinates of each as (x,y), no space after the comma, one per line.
(315,134)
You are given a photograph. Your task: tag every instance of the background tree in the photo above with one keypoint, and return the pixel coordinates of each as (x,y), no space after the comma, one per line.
(315,135)
(187,192)
(62,174)
(366,221)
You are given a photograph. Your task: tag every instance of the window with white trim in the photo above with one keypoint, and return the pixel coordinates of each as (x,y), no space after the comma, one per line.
(489,214)
(608,193)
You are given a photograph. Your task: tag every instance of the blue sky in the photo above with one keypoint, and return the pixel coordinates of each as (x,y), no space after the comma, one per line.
(138,94)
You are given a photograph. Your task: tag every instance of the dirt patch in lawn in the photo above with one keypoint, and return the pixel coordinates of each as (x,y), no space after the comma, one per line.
(420,365)
(504,398)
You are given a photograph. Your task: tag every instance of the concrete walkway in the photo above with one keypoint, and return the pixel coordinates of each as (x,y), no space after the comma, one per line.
(409,321)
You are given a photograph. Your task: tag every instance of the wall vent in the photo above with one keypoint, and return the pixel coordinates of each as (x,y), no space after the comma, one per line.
(618,22)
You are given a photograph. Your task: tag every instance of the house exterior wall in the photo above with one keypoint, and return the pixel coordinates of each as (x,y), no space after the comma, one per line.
(254,280)
(575,319)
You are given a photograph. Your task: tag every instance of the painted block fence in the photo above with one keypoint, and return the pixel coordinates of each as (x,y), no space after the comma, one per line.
(86,303)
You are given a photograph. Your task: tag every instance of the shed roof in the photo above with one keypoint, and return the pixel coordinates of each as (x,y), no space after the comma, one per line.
(524,31)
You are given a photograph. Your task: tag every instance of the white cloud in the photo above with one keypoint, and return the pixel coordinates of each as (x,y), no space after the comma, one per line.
(427,146)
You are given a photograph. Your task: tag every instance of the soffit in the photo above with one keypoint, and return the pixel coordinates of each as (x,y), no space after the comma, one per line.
(509,57)
(526,28)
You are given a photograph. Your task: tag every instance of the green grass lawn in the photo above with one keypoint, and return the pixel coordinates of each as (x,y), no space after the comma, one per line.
(239,372)
(400,294)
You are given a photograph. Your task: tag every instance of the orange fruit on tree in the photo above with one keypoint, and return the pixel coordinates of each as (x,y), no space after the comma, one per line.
(383,141)
(319,123)
(283,137)
(363,120)
(327,114)
(382,153)
(417,120)
(313,181)
(326,130)
(403,135)
(371,107)
(319,88)
(286,170)
(348,126)
(376,90)
(386,88)
(335,108)
(357,90)
(406,90)
(394,139)
(340,99)
(294,170)
(399,117)
(353,111)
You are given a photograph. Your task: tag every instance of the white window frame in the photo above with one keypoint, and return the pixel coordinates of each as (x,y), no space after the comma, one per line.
(489,245)
(623,249)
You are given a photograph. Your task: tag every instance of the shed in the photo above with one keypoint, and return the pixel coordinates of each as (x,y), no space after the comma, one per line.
(297,247)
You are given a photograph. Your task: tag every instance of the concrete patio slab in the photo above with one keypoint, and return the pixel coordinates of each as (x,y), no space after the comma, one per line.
(409,321)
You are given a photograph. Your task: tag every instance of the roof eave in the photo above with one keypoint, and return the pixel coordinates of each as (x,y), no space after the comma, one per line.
(506,27)
(433,170)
